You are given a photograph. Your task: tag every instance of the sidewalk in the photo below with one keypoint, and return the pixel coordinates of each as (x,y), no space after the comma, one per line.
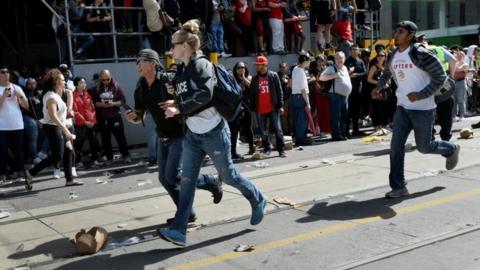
(42,235)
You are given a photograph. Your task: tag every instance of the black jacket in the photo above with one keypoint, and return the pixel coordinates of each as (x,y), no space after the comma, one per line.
(275,91)
(194,85)
(147,99)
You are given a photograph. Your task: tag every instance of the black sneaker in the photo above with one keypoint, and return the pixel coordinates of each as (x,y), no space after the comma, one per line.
(267,151)
(477,125)
(217,192)
(397,193)
(191,219)
(282,154)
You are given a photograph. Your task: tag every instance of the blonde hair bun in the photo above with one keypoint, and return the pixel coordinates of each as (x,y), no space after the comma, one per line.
(192,26)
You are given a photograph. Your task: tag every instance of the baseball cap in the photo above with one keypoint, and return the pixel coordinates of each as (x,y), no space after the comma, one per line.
(408,25)
(261,60)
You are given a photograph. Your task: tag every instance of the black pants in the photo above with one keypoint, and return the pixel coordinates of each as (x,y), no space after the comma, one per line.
(107,128)
(83,133)
(243,124)
(58,152)
(444,119)
(354,108)
(13,140)
(379,113)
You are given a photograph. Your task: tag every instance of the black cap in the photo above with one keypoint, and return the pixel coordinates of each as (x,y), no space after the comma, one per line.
(408,25)
(304,56)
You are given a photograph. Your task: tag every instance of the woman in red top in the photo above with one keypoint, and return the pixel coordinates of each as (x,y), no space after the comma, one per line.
(243,19)
(85,120)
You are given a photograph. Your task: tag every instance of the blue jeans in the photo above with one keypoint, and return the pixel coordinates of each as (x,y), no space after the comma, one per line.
(300,122)
(422,124)
(216,37)
(338,114)
(216,144)
(152,143)
(13,140)
(169,169)
(277,126)
(31,131)
(86,41)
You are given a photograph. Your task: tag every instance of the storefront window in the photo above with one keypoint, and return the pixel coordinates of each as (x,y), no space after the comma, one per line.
(424,13)
(462,12)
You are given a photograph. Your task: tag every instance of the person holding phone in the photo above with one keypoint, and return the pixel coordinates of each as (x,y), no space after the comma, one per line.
(151,95)
(11,123)
(55,127)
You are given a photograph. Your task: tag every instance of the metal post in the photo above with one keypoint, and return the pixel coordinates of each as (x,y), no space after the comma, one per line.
(114,32)
(70,48)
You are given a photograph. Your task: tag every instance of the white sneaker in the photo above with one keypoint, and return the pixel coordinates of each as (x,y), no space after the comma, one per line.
(42,155)
(74,172)
(225,55)
(37,160)
(56,173)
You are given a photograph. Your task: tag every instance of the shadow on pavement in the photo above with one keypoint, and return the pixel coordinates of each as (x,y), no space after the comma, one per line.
(379,207)
(382,152)
(138,260)
(58,248)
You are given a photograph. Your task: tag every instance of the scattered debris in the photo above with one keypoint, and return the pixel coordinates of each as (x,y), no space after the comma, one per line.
(147,237)
(123,225)
(142,182)
(372,139)
(244,248)
(107,174)
(4,214)
(300,148)
(73,195)
(257,156)
(92,241)
(466,133)
(283,200)
(100,181)
(128,242)
(350,197)
(431,172)
(260,164)
(304,166)
(327,161)
(129,171)
(193,227)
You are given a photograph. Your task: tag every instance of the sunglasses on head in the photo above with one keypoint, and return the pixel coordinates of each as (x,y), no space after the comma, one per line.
(4,71)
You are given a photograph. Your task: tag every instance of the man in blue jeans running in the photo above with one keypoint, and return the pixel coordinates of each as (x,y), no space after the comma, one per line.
(419,76)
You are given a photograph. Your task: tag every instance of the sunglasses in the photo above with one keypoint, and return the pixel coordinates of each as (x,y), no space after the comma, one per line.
(381,55)
(240,67)
(105,80)
(141,61)
(4,71)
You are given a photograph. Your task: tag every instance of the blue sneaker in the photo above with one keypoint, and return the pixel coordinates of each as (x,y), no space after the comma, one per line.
(258,212)
(173,236)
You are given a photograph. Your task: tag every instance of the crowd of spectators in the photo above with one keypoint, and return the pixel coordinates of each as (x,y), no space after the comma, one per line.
(340,111)
(228,27)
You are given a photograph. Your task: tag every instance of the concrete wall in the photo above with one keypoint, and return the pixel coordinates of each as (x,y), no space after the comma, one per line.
(125,73)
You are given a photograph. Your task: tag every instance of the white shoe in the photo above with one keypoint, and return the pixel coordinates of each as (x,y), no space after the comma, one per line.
(42,155)
(225,55)
(37,160)
(56,173)
(74,172)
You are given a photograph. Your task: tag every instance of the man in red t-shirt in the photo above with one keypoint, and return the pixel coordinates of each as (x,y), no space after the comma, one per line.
(267,101)
(276,24)
(343,28)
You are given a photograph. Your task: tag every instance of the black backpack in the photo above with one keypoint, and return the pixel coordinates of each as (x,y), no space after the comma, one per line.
(227,94)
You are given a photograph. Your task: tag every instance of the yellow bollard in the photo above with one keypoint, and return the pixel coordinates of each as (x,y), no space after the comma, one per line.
(214,58)
(169,60)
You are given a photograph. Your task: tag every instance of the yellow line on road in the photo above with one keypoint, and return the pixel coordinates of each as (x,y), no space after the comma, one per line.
(322,231)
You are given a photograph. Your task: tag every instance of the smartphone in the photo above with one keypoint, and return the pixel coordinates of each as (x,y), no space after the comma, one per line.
(9,92)
(127,108)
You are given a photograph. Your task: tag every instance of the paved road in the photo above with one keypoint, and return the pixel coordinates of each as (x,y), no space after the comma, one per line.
(343,232)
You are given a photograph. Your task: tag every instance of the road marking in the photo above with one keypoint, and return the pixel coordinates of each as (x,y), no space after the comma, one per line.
(322,231)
